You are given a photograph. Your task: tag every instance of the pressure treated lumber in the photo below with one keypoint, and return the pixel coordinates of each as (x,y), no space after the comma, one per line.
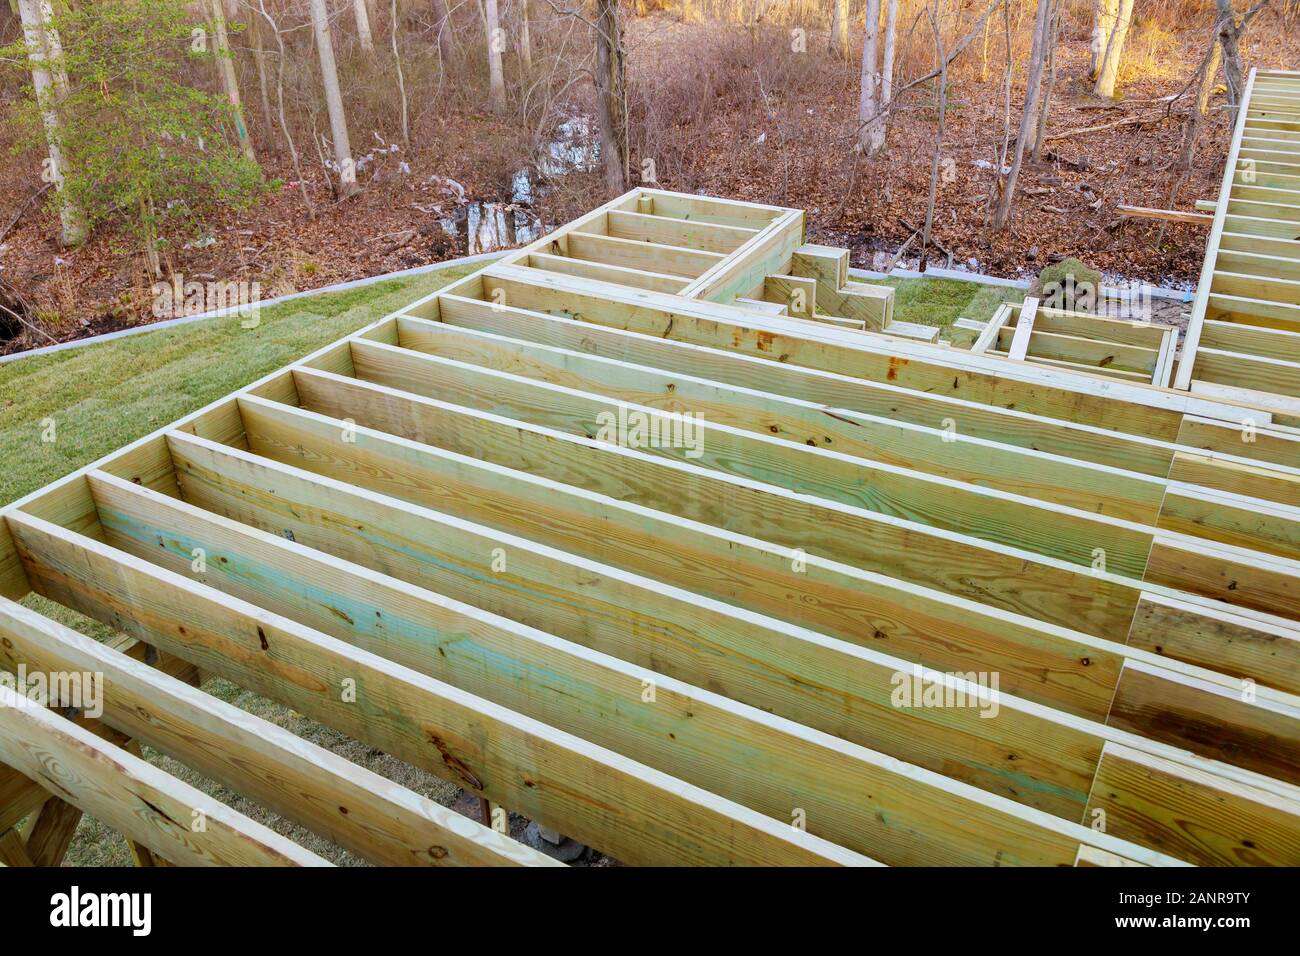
(359,810)
(738,752)
(563,781)
(134,797)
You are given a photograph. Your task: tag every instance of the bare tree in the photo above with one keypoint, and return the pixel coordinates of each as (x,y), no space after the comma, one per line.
(284,123)
(401,76)
(1104,13)
(229,82)
(442,23)
(362,15)
(868,96)
(839,41)
(525,40)
(496,43)
(880,127)
(334,100)
(1040,132)
(44,50)
(611,92)
(1028,116)
(941,56)
(1109,70)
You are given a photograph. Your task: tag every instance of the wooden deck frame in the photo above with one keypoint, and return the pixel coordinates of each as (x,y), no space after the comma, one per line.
(863,506)
(1251,274)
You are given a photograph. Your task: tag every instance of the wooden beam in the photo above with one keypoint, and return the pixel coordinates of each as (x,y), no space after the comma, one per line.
(819,471)
(709,237)
(956,416)
(346,804)
(667,384)
(134,797)
(629,810)
(1019,347)
(1168,215)
(605,272)
(702,738)
(1205,819)
(1062,592)
(764,254)
(646,256)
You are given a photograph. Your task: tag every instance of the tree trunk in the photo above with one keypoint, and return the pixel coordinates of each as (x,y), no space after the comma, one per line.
(612,96)
(362,16)
(938,141)
(1053,31)
(442,23)
(1104,13)
(839,44)
(496,43)
(226,67)
(334,100)
(401,75)
(880,128)
(284,123)
(263,75)
(868,97)
(1114,50)
(525,40)
(1028,116)
(43,45)
(1229,35)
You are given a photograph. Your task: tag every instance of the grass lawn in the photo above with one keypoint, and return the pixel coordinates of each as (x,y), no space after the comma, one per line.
(942,301)
(102,397)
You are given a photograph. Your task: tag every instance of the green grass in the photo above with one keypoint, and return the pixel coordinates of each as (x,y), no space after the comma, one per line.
(102,397)
(942,301)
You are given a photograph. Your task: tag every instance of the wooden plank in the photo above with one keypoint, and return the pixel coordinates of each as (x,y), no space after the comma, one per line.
(821,682)
(735,751)
(13,851)
(1084,325)
(1014,579)
(631,811)
(1246,437)
(1235,337)
(1019,346)
(1208,719)
(1109,356)
(1233,575)
(1168,215)
(656,281)
(1192,338)
(1254,481)
(1267,288)
(764,254)
(50,834)
(989,336)
(1227,518)
(712,209)
(1202,818)
(1240,370)
(798,295)
(646,256)
(1259,648)
(379,820)
(838,392)
(675,232)
(1137,409)
(1023,522)
(940,631)
(134,797)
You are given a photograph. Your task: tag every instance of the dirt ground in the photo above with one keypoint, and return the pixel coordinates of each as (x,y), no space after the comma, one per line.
(722,111)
